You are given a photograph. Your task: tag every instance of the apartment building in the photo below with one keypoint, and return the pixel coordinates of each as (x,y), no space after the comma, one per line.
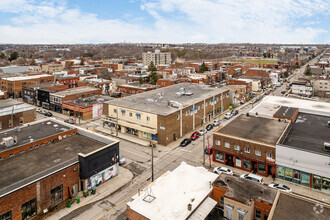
(166,114)
(14,85)
(321,87)
(52,67)
(158,58)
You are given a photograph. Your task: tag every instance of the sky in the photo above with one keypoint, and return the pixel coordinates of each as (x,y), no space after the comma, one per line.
(164,21)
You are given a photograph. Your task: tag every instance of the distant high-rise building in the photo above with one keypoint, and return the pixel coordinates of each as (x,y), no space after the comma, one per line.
(157,58)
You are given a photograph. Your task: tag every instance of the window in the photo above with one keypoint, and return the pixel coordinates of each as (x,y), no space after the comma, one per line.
(187,113)
(56,195)
(258,152)
(219,156)
(146,135)
(266,216)
(178,117)
(246,164)
(261,168)
(247,150)
(238,162)
(123,114)
(258,214)
(6,216)
(130,114)
(148,118)
(269,155)
(29,209)
(221,201)
(227,145)
(241,214)
(229,212)
(217,142)
(138,117)
(115,110)
(236,147)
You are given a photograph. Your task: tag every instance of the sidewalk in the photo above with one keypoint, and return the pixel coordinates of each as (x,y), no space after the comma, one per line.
(296,188)
(104,190)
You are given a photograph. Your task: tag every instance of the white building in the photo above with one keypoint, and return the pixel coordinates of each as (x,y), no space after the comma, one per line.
(301,88)
(157,58)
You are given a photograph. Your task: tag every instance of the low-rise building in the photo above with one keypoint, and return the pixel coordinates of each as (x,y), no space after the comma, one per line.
(134,88)
(14,113)
(302,88)
(321,87)
(166,199)
(52,67)
(168,113)
(45,163)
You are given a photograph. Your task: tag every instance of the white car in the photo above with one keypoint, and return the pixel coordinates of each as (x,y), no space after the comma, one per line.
(219,170)
(122,160)
(281,187)
(216,122)
(202,132)
(228,115)
(253,177)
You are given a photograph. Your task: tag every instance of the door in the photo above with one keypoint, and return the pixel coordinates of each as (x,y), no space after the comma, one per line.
(254,166)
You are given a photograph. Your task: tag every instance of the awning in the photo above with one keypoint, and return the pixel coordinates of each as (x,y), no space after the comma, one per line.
(204,209)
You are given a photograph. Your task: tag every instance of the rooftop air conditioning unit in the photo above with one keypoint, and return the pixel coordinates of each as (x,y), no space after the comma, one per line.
(9,141)
(327,146)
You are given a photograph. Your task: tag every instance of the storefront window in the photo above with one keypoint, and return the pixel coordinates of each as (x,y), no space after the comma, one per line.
(288,174)
(325,184)
(246,164)
(317,182)
(261,168)
(305,179)
(296,176)
(280,172)
(146,135)
(238,162)
(219,156)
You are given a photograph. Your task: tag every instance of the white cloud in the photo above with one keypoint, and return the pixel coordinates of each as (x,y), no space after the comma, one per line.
(211,21)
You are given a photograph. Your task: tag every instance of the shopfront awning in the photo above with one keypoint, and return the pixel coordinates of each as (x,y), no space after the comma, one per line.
(204,209)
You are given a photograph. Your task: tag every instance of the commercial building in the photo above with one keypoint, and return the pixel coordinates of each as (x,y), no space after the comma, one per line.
(302,88)
(57,98)
(134,88)
(243,199)
(180,194)
(157,58)
(248,143)
(14,113)
(166,114)
(46,163)
(14,85)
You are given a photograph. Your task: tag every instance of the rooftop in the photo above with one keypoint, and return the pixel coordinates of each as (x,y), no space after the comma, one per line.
(244,190)
(35,131)
(11,106)
(265,130)
(15,69)
(73,91)
(291,206)
(20,78)
(173,192)
(285,112)
(309,132)
(85,102)
(156,101)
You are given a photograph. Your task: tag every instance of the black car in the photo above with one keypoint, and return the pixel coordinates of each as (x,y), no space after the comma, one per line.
(185,142)
(49,114)
(209,127)
(234,112)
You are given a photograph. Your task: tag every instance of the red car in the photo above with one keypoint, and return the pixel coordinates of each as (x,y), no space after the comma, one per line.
(195,135)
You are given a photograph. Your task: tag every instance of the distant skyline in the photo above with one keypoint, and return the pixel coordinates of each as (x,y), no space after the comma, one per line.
(165,21)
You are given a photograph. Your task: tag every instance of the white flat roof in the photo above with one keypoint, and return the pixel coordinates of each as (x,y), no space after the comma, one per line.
(19,78)
(184,185)
(270,104)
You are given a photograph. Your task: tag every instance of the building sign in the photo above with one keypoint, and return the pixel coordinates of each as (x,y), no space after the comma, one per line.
(102,177)
(163,128)
(97,110)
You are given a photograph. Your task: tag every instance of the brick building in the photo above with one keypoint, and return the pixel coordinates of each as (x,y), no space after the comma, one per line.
(71,81)
(57,98)
(157,58)
(14,113)
(261,74)
(243,199)
(167,82)
(168,113)
(248,143)
(59,160)
(134,88)
(14,85)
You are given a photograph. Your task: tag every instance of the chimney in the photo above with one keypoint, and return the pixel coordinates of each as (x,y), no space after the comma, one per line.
(189,207)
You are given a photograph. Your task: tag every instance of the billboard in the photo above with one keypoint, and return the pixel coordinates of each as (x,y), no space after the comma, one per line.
(97,110)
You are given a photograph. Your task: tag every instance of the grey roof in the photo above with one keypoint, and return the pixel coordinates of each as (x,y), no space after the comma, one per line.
(286,112)
(11,106)
(15,69)
(255,128)
(293,207)
(29,166)
(309,132)
(156,101)
(244,190)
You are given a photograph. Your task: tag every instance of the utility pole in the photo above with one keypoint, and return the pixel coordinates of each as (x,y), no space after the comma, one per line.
(117,119)
(152,162)
(203,140)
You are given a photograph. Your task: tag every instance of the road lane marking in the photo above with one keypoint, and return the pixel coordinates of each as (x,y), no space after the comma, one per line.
(185,150)
(140,155)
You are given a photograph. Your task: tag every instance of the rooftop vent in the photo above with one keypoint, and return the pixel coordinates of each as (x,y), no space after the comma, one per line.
(189,207)
(327,146)
(328,124)
(9,141)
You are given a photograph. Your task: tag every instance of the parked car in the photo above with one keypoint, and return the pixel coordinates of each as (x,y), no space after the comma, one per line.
(195,135)
(280,187)
(267,93)
(228,115)
(207,150)
(122,160)
(219,170)
(253,177)
(69,120)
(201,132)
(209,127)
(216,123)
(234,112)
(49,114)
(185,142)
(241,102)
(283,92)
(43,112)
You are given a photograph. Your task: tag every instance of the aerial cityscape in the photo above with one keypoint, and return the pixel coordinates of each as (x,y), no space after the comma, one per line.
(164,110)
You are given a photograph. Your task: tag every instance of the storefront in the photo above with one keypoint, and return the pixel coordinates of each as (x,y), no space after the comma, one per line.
(243,163)
(303,178)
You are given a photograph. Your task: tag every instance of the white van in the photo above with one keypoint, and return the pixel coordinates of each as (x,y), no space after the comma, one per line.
(253,177)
